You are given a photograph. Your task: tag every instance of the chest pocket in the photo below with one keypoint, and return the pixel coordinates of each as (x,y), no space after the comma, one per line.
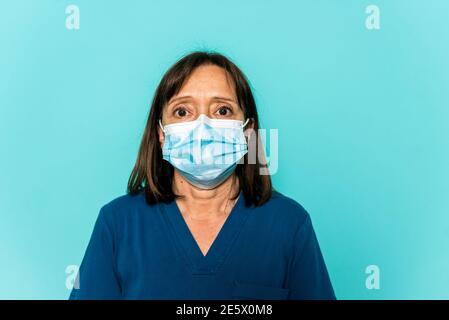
(242,290)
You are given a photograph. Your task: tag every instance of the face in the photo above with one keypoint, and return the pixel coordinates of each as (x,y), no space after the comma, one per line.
(207,91)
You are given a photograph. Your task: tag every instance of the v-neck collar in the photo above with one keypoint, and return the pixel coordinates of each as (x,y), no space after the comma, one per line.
(220,248)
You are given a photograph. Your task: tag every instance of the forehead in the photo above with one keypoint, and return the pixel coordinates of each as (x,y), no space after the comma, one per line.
(208,80)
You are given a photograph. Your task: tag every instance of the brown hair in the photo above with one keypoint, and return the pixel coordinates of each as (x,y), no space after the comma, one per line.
(154,176)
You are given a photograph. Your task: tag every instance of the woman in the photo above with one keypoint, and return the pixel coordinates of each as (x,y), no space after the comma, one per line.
(199,220)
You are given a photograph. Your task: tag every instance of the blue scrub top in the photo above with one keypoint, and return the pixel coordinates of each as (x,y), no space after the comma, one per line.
(141,251)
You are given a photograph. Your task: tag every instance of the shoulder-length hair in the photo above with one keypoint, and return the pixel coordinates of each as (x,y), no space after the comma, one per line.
(154,176)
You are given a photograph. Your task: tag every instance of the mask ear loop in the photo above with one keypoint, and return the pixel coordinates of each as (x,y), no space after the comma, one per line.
(160,125)
(246,122)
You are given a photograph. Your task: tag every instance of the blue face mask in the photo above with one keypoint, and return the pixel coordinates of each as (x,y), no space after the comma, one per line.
(205,151)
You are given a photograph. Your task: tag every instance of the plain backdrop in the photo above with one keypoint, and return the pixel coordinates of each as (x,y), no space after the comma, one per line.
(362,117)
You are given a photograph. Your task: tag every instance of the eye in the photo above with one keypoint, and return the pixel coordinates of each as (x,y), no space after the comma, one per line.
(224,111)
(180,112)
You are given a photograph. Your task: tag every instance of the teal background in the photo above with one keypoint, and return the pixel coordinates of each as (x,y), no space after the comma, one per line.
(362,116)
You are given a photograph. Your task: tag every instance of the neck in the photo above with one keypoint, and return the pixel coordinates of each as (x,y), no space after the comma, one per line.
(201,204)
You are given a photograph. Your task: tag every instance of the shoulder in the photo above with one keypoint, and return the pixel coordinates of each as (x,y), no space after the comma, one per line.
(125,207)
(292,209)
(124,202)
(284,210)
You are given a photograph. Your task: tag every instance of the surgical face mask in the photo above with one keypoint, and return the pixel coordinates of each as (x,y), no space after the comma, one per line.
(205,151)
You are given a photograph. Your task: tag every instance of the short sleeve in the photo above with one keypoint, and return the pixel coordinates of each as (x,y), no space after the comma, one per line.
(308,276)
(97,276)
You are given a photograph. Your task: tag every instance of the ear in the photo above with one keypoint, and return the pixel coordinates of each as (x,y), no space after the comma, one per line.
(249,128)
(161,135)
(250,124)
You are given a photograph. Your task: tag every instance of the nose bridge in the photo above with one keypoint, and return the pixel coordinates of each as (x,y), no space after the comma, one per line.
(203,105)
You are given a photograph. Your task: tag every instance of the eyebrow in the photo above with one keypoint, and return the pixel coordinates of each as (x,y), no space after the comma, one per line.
(179,98)
(223,98)
(190,97)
